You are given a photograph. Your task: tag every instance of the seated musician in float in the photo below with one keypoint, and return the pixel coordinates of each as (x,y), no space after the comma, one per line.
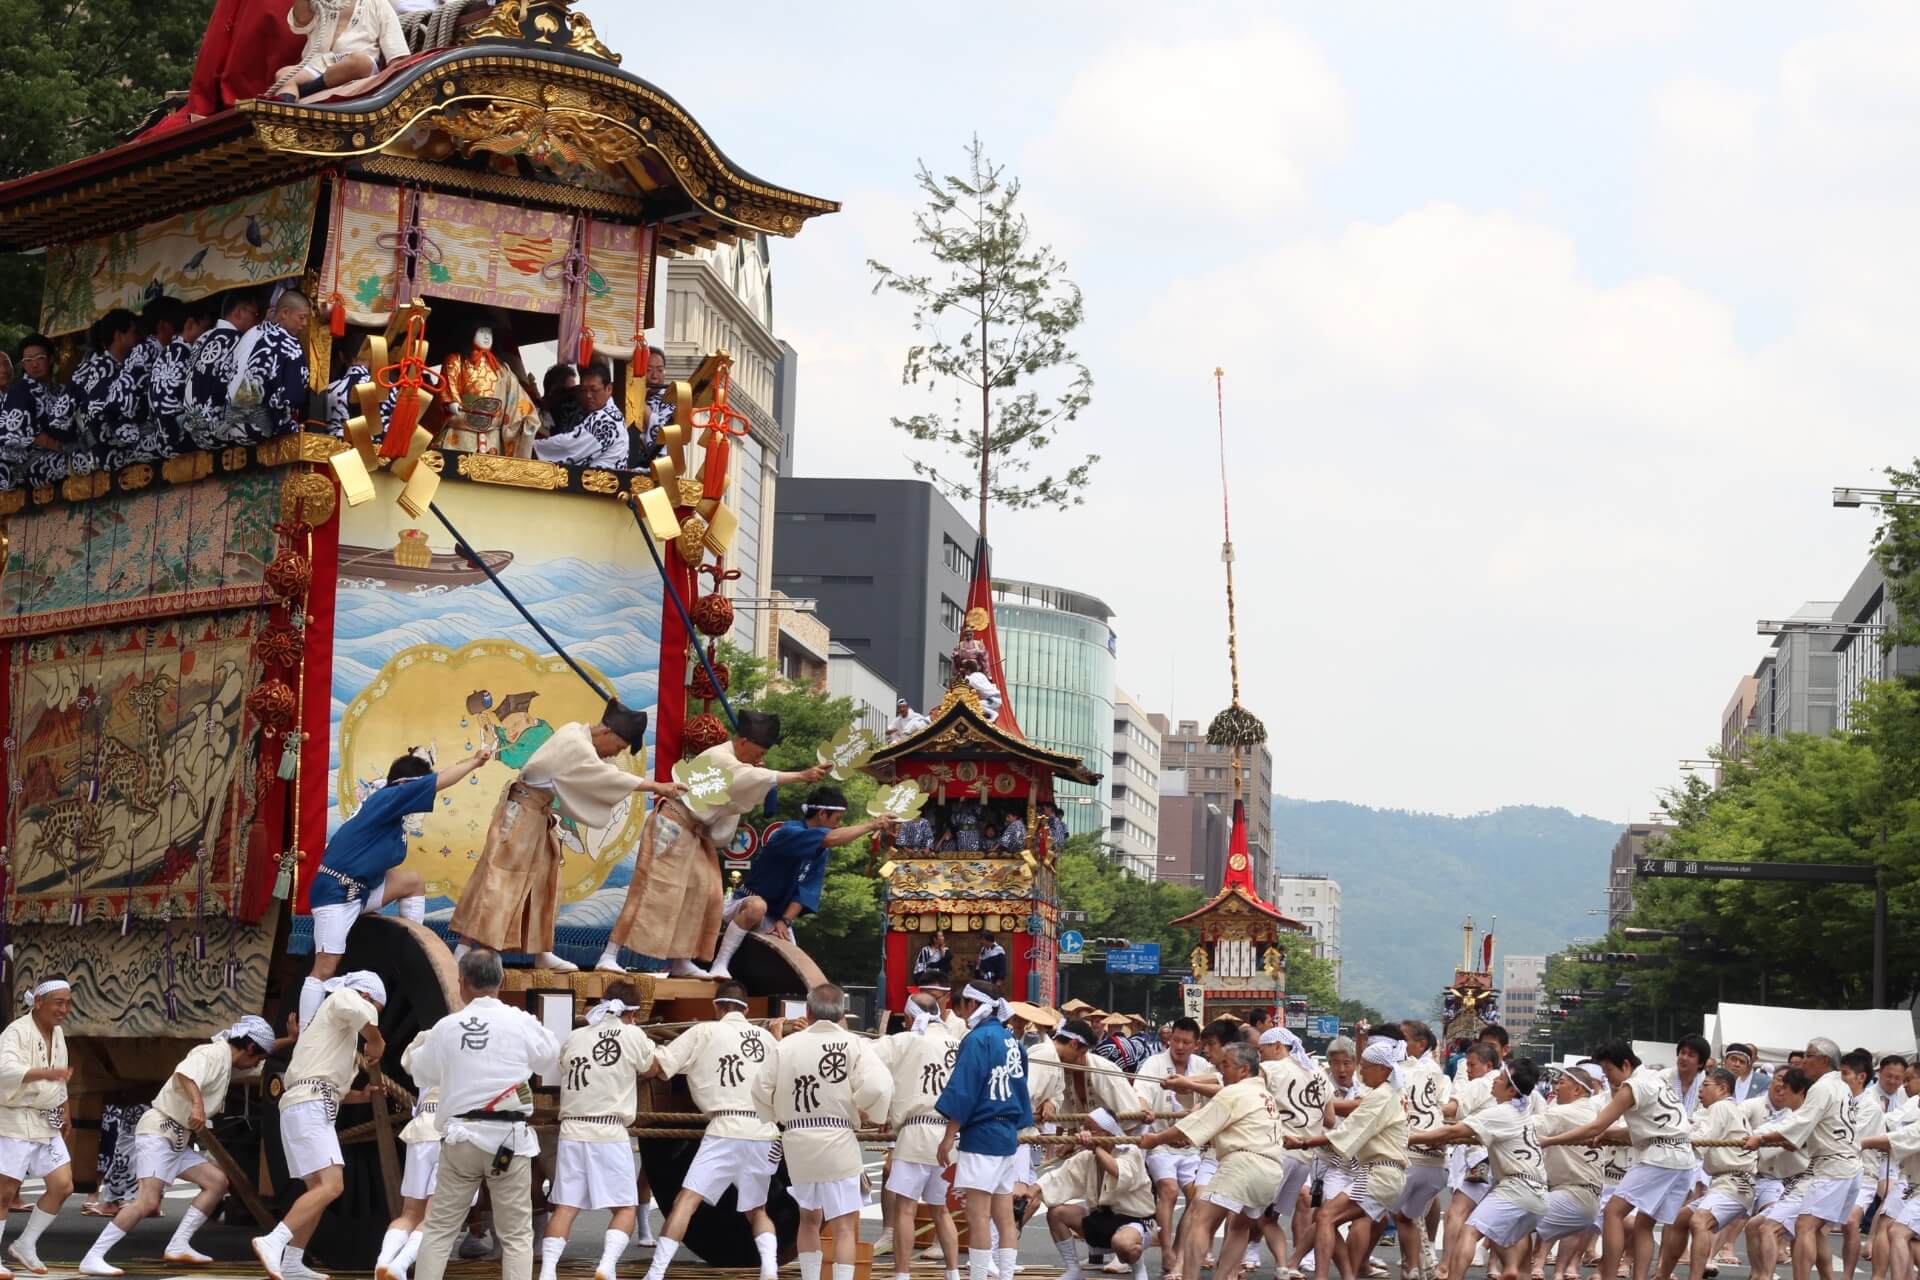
(970,665)
(37,418)
(347,40)
(268,394)
(216,362)
(487,411)
(672,911)
(167,355)
(600,438)
(785,879)
(110,390)
(1013,835)
(163,1151)
(513,896)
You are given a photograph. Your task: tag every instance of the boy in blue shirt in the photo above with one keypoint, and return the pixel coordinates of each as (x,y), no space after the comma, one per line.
(361,871)
(986,1106)
(788,873)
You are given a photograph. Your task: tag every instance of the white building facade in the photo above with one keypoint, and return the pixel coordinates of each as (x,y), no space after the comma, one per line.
(1134,790)
(1314,901)
(1523,981)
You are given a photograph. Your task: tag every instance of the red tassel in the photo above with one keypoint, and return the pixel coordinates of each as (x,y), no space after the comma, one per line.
(337,319)
(586,347)
(713,478)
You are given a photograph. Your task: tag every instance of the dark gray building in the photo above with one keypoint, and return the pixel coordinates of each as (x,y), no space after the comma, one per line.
(889,562)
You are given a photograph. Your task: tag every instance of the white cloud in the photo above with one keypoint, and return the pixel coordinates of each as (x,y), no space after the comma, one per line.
(1215,127)
(1582,26)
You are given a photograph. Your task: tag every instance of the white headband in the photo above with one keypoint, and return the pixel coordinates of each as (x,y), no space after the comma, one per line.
(1383,1052)
(1104,1118)
(611,1009)
(1295,1049)
(1274,1035)
(1588,1077)
(729,1000)
(921,1018)
(363,981)
(47,988)
(823,808)
(252,1027)
(999,1010)
(1064,1034)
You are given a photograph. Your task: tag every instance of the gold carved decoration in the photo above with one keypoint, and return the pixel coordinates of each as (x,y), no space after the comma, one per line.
(136,477)
(693,538)
(521,473)
(599,482)
(86,488)
(12,502)
(1200,962)
(307,497)
(187,468)
(691,493)
(586,40)
(537,132)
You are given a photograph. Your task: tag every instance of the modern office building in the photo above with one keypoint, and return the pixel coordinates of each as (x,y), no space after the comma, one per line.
(1799,681)
(1057,649)
(1209,775)
(1314,900)
(872,697)
(1634,843)
(1861,621)
(717,299)
(1523,981)
(1134,788)
(1193,835)
(888,563)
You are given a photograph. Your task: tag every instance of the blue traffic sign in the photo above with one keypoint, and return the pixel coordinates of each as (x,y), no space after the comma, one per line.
(1142,957)
(1325,1028)
(1071,943)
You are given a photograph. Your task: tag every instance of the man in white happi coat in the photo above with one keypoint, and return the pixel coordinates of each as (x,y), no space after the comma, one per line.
(1820,1127)
(1174,1170)
(600,1069)
(1103,1195)
(400,1246)
(720,1060)
(1301,1091)
(33,1113)
(483,1058)
(163,1151)
(943,993)
(919,1060)
(317,1081)
(820,1084)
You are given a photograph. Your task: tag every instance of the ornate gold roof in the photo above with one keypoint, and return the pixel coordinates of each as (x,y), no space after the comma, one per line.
(960,731)
(450,120)
(1231,903)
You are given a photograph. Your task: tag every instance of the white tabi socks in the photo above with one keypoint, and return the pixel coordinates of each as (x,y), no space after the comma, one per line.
(728,945)
(551,1247)
(616,1244)
(1069,1258)
(769,1246)
(809,1265)
(666,1247)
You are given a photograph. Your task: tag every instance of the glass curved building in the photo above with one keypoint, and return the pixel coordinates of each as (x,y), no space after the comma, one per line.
(1057,647)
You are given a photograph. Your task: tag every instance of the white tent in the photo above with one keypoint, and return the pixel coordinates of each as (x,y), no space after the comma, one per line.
(1653,1053)
(1775,1032)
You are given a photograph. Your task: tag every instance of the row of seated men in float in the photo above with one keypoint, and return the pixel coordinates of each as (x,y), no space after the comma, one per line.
(232,372)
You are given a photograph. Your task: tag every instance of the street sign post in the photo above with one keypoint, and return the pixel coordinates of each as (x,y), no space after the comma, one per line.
(1323,1026)
(1821,873)
(1141,957)
(1072,943)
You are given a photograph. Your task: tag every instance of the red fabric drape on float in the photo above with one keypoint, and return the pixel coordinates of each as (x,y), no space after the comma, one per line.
(980,596)
(247,42)
(670,709)
(316,714)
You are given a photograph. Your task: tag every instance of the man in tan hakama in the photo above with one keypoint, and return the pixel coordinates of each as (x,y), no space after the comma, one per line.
(511,900)
(672,911)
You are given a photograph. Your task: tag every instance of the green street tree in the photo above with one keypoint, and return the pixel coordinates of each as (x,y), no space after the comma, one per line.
(995,317)
(74,76)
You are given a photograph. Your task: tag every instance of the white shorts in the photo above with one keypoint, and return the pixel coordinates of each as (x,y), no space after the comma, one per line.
(926,1183)
(1204,1174)
(973,1171)
(1335,1182)
(1288,1193)
(1502,1221)
(1660,1192)
(1424,1184)
(835,1199)
(20,1159)
(745,1163)
(331,925)
(594,1175)
(1164,1163)
(1869,1188)
(731,908)
(1910,1214)
(1569,1213)
(1024,1172)
(1830,1199)
(1785,1213)
(1607,1192)
(1224,1201)
(308,1138)
(422,1173)
(1765,1192)
(154,1157)
(1896,1202)
(1723,1207)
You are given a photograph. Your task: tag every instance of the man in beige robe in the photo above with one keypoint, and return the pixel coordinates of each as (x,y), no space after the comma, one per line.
(511,900)
(672,911)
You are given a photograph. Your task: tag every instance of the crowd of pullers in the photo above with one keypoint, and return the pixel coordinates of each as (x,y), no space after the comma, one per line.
(1132,1147)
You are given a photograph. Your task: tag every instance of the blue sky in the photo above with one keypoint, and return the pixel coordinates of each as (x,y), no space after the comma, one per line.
(1547,328)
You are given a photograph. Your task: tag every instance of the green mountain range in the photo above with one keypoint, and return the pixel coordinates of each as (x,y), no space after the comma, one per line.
(1408,880)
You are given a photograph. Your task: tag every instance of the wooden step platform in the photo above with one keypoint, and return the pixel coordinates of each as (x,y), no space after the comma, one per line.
(663,999)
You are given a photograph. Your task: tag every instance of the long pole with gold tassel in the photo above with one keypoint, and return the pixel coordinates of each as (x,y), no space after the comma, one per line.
(1236,727)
